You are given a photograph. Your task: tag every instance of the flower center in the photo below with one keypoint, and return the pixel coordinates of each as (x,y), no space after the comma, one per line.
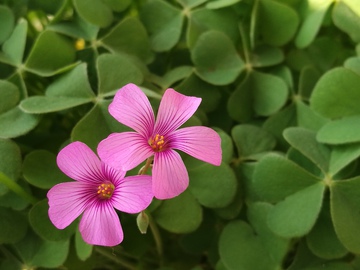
(157,143)
(105,190)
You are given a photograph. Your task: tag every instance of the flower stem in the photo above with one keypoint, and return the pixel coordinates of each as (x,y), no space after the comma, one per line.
(147,165)
(117,259)
(16,188)
(157,237)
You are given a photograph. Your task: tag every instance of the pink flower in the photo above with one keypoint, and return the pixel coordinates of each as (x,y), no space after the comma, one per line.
(158,138)
(98,189)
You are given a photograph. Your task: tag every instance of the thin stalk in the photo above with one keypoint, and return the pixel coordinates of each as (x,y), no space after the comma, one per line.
(16,188)
(157,237)
(117,259)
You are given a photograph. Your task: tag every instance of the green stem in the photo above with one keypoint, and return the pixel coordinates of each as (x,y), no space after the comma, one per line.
(16,188)
(157,237)
(119,260)
(147,165)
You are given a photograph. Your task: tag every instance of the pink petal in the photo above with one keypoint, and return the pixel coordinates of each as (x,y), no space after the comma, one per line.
(67,201)
(133,194)
(124,151)
(79,162)
(200,142)
(113,175)
(175,109)
(132,108)
(100,225)
(170,177)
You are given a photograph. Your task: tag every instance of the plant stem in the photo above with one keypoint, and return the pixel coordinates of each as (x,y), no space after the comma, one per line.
(16,188)
(115,258)
(155,231)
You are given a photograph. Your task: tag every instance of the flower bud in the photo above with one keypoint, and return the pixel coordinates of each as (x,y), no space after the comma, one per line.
(142,222)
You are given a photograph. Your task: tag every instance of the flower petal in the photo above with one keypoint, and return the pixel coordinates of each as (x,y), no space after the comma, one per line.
(80,163)
(67,201)
(100,225)
(113,175)
(133,194)
(170,177)
(175,109)
(200,142)
(132,108)
(124,151)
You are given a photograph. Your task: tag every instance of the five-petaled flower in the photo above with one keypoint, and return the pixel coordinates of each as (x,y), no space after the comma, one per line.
(98,189)
(158,138)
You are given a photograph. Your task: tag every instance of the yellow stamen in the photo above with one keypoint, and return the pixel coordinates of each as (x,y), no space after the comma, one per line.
(105,191)
(157,143)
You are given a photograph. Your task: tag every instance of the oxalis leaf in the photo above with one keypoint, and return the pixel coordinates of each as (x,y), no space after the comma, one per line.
(225,64)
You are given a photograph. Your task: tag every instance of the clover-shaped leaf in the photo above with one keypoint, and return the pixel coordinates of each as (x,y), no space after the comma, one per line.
(328,97)
(224,66)
(345,212)
(181,214)
(72,89)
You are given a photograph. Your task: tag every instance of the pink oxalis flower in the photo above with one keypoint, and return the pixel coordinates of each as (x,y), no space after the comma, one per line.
(158,138)
(98,189)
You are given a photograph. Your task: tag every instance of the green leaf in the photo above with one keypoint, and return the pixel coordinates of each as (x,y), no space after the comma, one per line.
(322,239)
(9,96)
(264,56)
(275,17)
(130,37)
(15,123)
(117,5)
(83,249)
(241,248)
(203,19)
(224,65)
(51,254)
(353,63)
(174,75)
(40,169)
(260,93)
(305,141)
(251,140)
(10,162)
(296,215)
(207,188)
(220,3)
(276,124)
(226,146)
(163,22)
(276,246)
(347,20)
(191,3)
(276,178)
(41,224)
(50,53)
(313,12)
(345,212)
(110,78)
(98,116)
(6,23)
(14,47)
(209,93)
(181,214)
(308,78)
(13,226)
(308,118)
(77,28)
(343,155)
(329,99)
(344,130)
(97,13)
(70,90)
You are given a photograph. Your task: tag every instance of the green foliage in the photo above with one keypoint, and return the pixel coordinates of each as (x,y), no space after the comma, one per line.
(280,83)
